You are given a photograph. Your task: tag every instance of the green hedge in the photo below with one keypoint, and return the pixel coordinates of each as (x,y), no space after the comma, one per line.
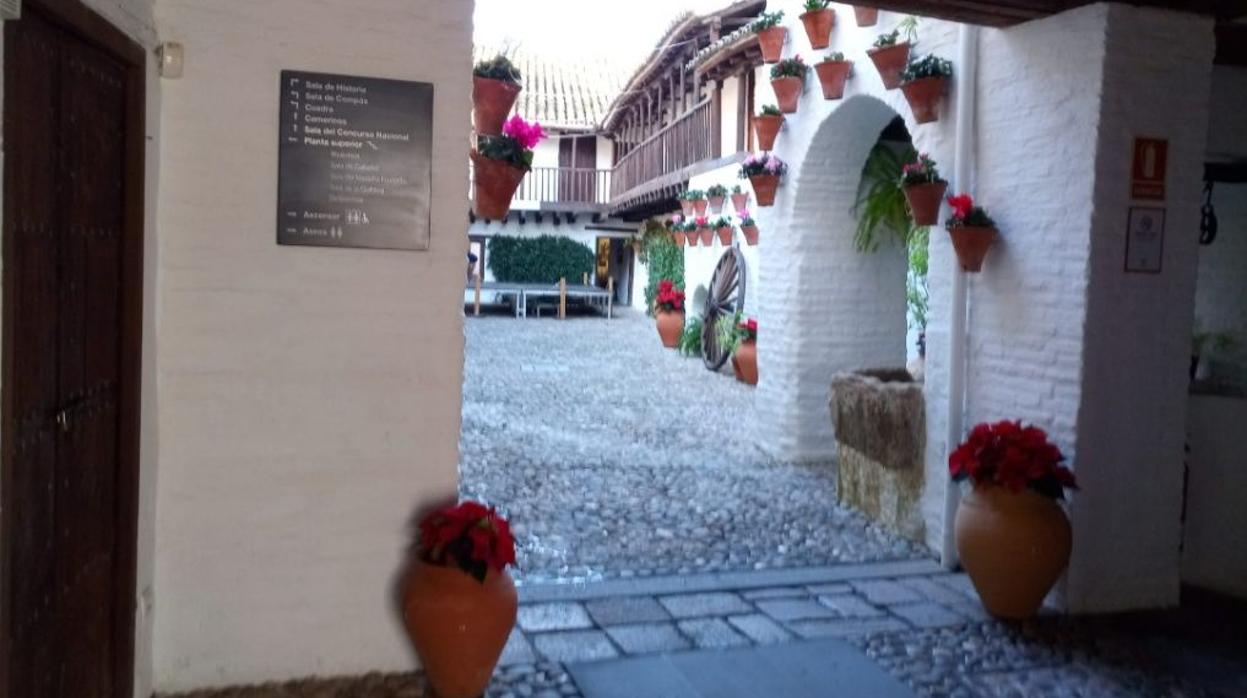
(539,260)
(666,261)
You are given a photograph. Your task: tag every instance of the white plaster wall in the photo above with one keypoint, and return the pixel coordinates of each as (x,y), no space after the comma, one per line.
(1214,552)
(134,18)
(728,120)
(829,308)
(309,397)
(1136,352)
(546,154)
(606,153)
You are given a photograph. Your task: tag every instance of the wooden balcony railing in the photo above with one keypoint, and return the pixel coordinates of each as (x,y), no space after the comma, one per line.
(566,185)
(688,140)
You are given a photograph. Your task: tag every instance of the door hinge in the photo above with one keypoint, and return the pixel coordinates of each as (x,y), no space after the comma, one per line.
(10,9)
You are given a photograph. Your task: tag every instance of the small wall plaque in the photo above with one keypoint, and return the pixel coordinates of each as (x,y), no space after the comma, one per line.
(1145,240)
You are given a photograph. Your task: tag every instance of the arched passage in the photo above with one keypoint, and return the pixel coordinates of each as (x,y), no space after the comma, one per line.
(826,306)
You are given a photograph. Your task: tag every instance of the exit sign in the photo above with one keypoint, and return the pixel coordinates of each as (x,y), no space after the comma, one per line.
(1147,180)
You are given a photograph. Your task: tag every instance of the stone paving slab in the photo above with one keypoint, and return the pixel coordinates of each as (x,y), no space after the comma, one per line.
(720,603)
(712,633)
(927,614)
(626,610)
(553,616)
(844,627)
(574,645)
(518,650)
(794,609)
(648,638)
(850,606)
(885,592)
(759,628)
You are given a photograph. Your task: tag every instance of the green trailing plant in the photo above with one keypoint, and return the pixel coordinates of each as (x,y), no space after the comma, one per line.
(881,208)
(770,110)
(834,57)
(498,68)
(816,5)
(690,340)
(766,20)
(727,331)
(539,260)
(908,28)
(917,294)
(929,66)
(716,190)
(666,262)
(793,67)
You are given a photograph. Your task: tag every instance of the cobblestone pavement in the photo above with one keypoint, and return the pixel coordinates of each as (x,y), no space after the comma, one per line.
(921,624)
(614,458)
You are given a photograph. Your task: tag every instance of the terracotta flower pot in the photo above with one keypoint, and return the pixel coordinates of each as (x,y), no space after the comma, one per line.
(924,96)
(1014,546)
(771,41)
(678,239)
(670,326)
(700,206)
(494,183)
(751,234)
(740,202)
(866,16)
(764,186)
(692,237)
(924,202)
(686,208)
(788,93)
(725,235)
(818,26)
(832,75)
(458,625)
(745,362)
(491,102)
(716,203)
(707,236)
(971,244)
(767,127)
(890,61)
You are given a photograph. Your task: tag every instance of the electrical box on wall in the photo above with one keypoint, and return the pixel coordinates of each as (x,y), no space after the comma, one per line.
(10,9)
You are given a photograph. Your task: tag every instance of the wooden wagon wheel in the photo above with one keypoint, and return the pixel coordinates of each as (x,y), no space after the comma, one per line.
(726,298)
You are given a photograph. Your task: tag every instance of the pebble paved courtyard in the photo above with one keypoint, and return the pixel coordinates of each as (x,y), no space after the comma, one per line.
(615,458)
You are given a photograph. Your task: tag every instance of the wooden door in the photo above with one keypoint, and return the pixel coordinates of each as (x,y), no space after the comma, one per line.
(578,159)
(72,302)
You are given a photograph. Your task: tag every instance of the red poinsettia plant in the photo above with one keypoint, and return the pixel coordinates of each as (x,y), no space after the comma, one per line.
(1012,456)
(669,298)
(967,213)
(747,329)
(469,536)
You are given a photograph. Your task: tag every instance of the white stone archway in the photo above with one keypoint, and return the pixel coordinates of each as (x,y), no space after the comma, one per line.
(826,307)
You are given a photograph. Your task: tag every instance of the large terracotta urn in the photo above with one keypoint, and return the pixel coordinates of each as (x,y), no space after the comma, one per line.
(494,184)
(971,243)
(458,625)
(767,127)
(745,362)
(818,26)
(788,93)
(866,16)
(832,75)
(890,61)
(771,41)
(1014,546)
(670,326)
(924,95)
(764,188)
(491,102)
(924,201)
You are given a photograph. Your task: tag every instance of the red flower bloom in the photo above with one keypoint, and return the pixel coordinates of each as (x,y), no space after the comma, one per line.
(1011,456)
(468,535)
(962,205)
(669,297)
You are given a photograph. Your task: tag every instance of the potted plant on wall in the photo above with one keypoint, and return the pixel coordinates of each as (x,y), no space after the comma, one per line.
(891,55)
(833,71)
(700,204)
(972,232)
(669,313)
(763,172)
(716,194)
(866,16)
(766,124)
(459,603)
(924,190)
(771,35)
(723,228)
(1013,538)
(748,228)
(686,204)
(923,82)
(742,340)
(499,163)
(690,233)
(677,231)
(819,19)
(704,231)
(495,85)
(740,198)
(788,81)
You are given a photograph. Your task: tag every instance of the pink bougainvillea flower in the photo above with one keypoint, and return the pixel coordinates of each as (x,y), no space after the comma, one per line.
(526,134)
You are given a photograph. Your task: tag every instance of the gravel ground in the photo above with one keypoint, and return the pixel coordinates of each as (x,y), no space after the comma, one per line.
(614,457)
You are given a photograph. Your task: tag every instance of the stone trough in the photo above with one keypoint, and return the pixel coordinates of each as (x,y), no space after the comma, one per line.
(879,419)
